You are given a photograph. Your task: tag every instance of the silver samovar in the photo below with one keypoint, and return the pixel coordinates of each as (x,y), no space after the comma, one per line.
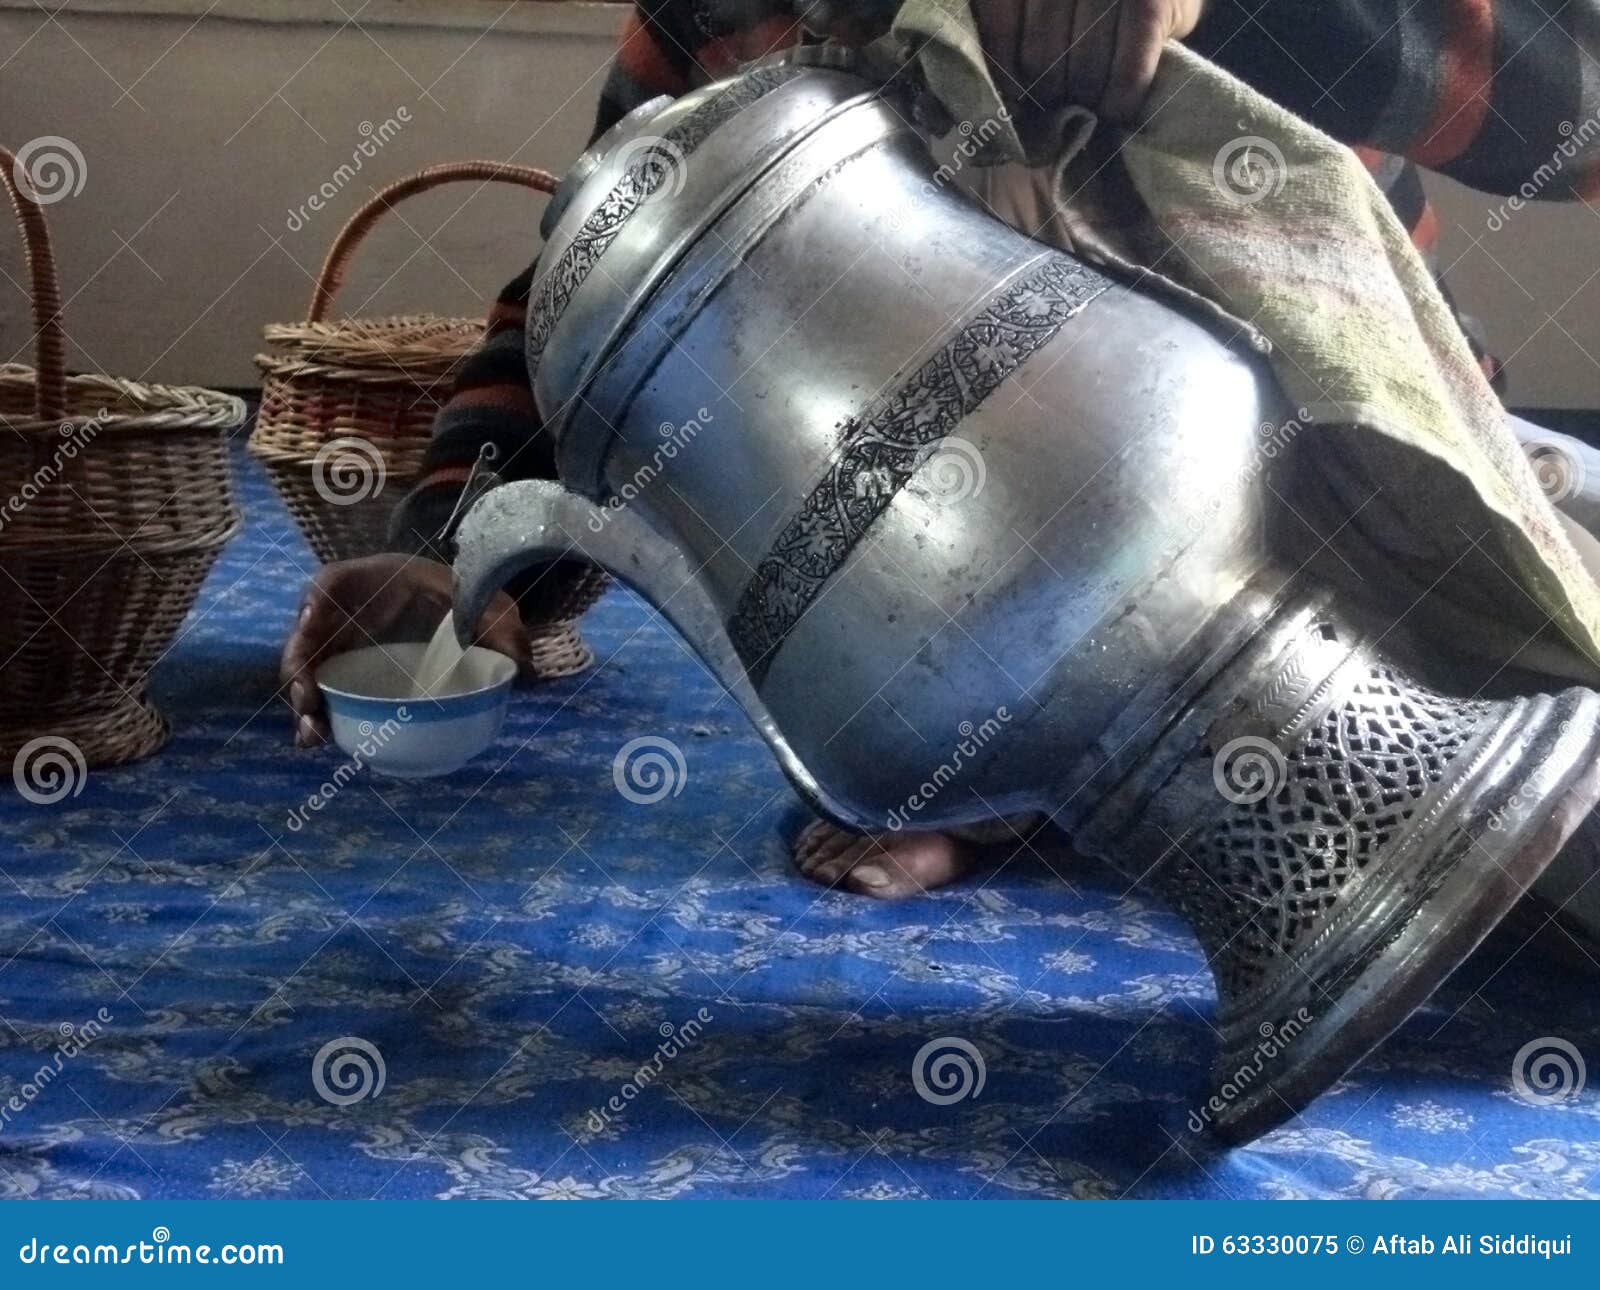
(901,475)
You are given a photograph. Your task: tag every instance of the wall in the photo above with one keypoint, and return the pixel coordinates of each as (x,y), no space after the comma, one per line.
(206,128)
(203,139)
(1532,277)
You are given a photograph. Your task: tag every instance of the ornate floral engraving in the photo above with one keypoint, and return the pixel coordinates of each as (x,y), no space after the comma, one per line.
(881,450)
(649,169)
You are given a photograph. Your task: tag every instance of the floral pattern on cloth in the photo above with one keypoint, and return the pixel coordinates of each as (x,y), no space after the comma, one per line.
(517,982)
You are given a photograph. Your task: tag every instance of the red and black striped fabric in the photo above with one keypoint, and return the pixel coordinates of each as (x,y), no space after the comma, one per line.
(1503,95)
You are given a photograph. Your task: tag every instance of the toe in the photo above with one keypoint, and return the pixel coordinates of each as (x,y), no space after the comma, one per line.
(938,861)
(892,866)
(912,865)
(836,866)
(821,843)
(812,844)
(874,878)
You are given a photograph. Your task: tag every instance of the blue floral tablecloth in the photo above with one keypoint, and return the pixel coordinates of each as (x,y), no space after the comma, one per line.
(515,982)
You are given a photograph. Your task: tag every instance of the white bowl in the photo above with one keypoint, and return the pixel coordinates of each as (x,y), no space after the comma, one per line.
(379,724)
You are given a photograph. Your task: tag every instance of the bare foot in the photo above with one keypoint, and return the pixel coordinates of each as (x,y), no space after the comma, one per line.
(890,866)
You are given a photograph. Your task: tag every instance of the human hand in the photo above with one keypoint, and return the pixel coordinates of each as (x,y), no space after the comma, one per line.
(855,22)
(1099,54)
(352,603)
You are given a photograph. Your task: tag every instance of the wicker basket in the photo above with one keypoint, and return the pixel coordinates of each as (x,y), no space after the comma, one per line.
(348,407)
(118,502)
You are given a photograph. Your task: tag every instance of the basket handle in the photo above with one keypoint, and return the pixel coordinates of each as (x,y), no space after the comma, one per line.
(360,224)
(50,342)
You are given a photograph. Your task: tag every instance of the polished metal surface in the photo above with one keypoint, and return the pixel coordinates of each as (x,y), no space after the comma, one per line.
(968,527)
(1338,835)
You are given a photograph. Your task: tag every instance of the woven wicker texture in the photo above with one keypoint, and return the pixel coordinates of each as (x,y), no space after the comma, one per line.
(348,407)
(118,502)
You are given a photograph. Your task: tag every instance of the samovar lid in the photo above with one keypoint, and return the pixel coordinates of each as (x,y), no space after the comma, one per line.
(635,203)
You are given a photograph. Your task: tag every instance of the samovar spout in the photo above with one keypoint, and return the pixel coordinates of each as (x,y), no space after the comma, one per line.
(518,525)
(510,528)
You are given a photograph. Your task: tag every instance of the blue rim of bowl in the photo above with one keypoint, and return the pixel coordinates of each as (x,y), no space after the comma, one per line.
(423,711)
(467,704)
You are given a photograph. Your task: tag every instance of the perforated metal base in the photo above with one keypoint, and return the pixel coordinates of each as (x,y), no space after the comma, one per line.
(1340,838)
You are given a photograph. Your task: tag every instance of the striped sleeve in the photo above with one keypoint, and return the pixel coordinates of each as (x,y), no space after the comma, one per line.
(671,46)
(665,47)
(648,63)
(1503,95)
(491,403)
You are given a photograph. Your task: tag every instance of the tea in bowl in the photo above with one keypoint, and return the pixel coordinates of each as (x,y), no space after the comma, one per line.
(381,720)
